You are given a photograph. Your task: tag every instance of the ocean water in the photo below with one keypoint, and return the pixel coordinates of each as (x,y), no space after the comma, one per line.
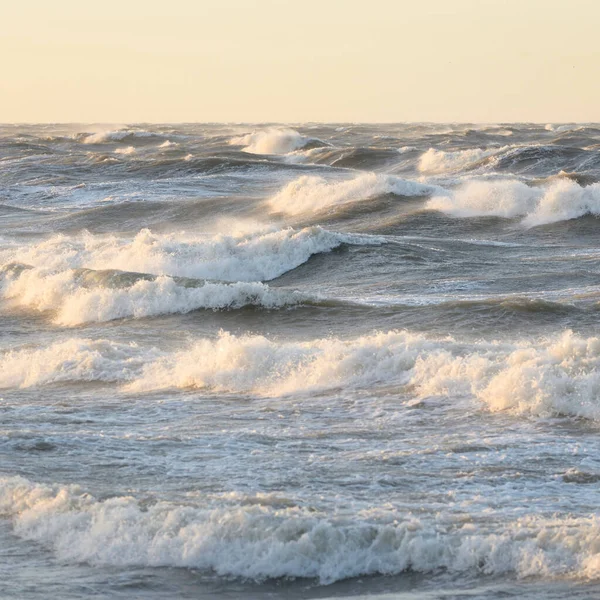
(304,361)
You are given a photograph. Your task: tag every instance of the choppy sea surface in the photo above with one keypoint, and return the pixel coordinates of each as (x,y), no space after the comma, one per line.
(305,361)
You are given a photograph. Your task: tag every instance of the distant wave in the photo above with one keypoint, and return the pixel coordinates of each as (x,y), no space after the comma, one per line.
(518,158)
(561,201)
(436,161)
(272,141)
(119,135)
(309,194)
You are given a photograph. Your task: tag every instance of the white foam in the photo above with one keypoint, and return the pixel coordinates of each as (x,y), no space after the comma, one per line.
(443,161)
(309,193)
(127,150)
(502,198)
(271,141)
(553,376)
(261,541)
(72,301)
(562,200)
(542,377)
(240,256)
(72,360)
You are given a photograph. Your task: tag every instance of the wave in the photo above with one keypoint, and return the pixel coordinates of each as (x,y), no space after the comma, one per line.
(360,158)
(120,135)
(254,256)
(75,298)
(273,141)
(549,376)
(309,194)
(518,158)
(561,201)
(73,360)
(260,540)
(443,161)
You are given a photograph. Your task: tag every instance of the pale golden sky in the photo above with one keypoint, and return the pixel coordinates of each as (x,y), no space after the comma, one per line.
(282,60)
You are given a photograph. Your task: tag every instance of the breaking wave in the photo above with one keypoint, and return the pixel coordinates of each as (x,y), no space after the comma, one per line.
(443,161)
(238,257)
(309,194)
(260,540)
(551,376)
(75,298)
(561,201)
(272,141)
(72,360)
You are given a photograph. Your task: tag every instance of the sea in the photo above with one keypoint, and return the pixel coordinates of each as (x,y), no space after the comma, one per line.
(301,361)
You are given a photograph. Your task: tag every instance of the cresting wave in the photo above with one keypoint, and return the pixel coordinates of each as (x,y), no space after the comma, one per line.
(75,297)
(309,194)
(255,256)
(76,359)
(260,540)
(436,161)
(555,376)
(560,201)
(271,141)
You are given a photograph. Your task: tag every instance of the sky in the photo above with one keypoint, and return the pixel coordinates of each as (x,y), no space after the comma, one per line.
(299,60)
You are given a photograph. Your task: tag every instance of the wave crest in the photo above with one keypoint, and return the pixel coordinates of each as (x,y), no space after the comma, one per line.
(561,201)
(309,194)
(271,141)
(238,257)
(71,299)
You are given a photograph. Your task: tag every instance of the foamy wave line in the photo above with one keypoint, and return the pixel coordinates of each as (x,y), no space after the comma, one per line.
(554,376)
(561,201)
(548,377)
(262,542)
(309,194)
(67,295)
(256,256)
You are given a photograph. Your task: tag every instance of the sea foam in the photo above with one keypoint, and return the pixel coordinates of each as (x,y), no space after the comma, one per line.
(73,299)
(551,376)
(261,541)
